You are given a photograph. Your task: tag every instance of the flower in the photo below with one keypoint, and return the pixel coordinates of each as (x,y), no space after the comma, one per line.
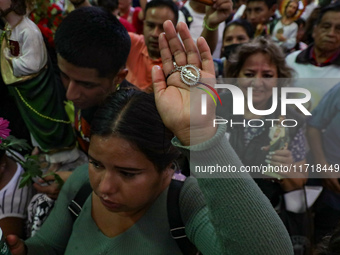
(30,164)
(4,131)
(48,17)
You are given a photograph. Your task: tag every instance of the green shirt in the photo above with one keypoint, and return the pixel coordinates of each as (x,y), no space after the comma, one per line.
(221,216)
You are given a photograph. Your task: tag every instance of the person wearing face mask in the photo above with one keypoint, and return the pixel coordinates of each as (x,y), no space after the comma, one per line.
(235,33)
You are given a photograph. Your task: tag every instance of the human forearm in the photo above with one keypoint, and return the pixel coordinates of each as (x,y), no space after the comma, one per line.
(210,34)
(231,199)
(215,15)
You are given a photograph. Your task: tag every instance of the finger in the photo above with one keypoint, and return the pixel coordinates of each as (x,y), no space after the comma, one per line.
(281,159)
(53,196)
(48,177)
(283,153)
(192,55)
(206,58)
(166,55)
(50,189)
(16,245)
(175,45)
(35,151)
(265,148)
(158,81)
(223,4)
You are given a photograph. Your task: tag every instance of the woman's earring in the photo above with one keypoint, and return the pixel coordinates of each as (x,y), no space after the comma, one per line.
(174,166)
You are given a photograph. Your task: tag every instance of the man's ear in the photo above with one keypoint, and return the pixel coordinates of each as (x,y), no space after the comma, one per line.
(120,76)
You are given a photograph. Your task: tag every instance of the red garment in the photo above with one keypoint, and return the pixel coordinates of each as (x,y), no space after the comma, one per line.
(132,18)
(139,64)
(83,132)
(127,25)
(327,62)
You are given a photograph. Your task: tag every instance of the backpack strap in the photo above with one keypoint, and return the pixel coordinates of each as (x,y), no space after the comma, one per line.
(75,206)
(177,228)
(188,18)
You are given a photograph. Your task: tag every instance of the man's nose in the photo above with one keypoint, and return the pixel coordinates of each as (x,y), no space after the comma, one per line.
(332,31)
(235,41)
(157,31)
(251,16)
(72,91)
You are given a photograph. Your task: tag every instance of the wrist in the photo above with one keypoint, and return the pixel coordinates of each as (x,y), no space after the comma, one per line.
(211,26)
(196,136)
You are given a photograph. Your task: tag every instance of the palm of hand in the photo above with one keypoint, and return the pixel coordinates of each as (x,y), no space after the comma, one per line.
(185,114)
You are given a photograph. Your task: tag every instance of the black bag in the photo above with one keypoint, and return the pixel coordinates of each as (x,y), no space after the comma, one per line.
(188,18)
(299,227)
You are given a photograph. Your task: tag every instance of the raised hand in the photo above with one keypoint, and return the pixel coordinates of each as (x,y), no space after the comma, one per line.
(178,104)
(52,190)
(218,12)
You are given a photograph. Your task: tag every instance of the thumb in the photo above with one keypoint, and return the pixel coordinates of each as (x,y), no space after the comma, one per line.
(16,245)
(48,177)
(158,81)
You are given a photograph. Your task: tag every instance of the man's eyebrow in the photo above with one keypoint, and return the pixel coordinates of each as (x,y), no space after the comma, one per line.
(78,81)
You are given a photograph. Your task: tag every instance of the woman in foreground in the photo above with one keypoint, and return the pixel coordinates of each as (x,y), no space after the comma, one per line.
(131,154)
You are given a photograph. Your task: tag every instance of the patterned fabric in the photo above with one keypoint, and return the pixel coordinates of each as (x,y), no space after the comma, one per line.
(251,132)
(296,146)
(219,66)
(38,210)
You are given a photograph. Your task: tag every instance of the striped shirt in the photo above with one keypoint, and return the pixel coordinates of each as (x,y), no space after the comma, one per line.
(13,200)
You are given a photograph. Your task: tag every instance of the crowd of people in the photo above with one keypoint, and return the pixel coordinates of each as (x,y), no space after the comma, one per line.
(108,95)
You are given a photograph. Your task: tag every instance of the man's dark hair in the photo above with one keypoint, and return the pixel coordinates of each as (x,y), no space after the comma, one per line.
(92,37)
(163,3)
(335,7)
(132,115)
(269,3)
(110,5)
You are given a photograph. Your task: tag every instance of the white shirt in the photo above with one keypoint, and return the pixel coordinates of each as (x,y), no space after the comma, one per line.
(196,27)
(14,201)
(318,80)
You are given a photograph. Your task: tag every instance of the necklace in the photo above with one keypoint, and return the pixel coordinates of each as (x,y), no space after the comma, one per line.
(85,138)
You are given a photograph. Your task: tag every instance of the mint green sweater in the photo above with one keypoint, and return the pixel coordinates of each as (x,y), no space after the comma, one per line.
(222,215)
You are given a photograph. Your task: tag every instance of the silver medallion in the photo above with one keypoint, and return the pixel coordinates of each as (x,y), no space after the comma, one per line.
(190,74)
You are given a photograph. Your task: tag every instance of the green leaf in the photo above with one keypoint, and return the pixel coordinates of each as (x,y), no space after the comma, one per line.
(57,179)
(16,144)
(26,180)
(32,169)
